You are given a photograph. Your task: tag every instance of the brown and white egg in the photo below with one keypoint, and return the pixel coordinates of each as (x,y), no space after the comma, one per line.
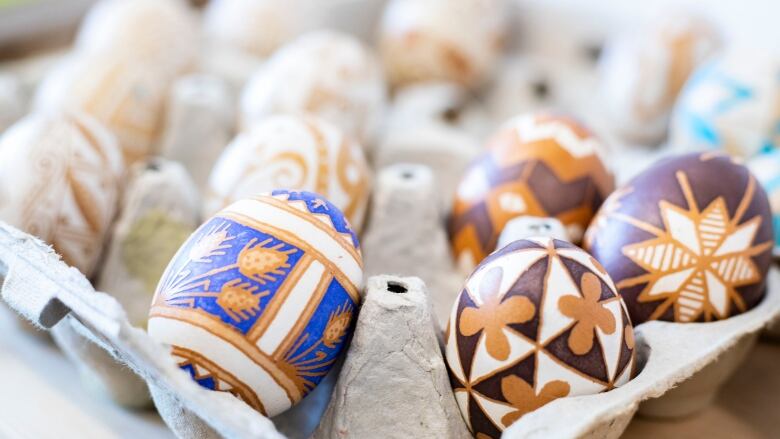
(127,56)
(324,73)
(127,97)
(536,165)
(688,240)
(537,320)
(293,152)
(261,299)
(730,104)
(442,40)
(161,35)
(60,178)
(643,73)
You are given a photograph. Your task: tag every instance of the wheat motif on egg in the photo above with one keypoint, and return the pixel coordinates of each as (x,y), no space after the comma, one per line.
(260,300)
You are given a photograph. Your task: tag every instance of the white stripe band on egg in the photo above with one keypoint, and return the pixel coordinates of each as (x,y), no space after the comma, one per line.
(183,334)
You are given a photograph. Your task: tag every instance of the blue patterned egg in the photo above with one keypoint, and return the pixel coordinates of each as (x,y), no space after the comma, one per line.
(766,168)
(730,104)
(260,300)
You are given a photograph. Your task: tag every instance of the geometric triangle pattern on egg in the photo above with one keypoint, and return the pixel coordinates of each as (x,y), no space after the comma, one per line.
(260,300)
(537,320)
(537,165)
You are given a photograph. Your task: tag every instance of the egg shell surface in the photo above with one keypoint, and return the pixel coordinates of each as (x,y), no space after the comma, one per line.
(536,165)
(538,320)
(60,179)
(294,152)
(260,300)
(730,103)
(687,240)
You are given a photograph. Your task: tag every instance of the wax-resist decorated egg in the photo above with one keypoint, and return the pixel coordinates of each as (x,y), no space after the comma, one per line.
(160,34)
(766,168)
(257,27)
(688,240)
(127,97)
(296,152)
(425,41)
(643,73)
(537,165)
(60,177)
(452,40)
(537,320)
(260,300)
(730,103)
(324,73)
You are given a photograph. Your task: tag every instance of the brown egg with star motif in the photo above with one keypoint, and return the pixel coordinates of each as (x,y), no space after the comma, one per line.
(536,165)
(688,240)
(537,320)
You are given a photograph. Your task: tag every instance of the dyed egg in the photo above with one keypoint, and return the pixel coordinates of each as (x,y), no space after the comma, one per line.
(324,73)
(766,168)
(537,165)
(60,177)
(688,240)
(643,74)
(537,320)
(257,27)
(731,104)
(159,34)
(452,40)
(296,152)
(127,97)
(260,300)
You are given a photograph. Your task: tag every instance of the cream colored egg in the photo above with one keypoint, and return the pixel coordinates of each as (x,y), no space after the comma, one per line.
(324,73)
(127,97)
(163,34)
(257,27)
(297,153)
(643,74)
(454,40)
(60,177)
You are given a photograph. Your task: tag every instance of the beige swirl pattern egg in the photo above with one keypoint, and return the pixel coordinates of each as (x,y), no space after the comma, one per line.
(324,73)
(60,176)
(293,152)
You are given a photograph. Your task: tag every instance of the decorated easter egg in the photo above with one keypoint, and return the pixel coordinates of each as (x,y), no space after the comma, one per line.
(324,73)
(537,320)
(159,34)
(127,97)
(453,40)
(643,73)
(730,103)
(296,152)
(687,240)
(260,300)
(766,168)
(257,27)
(60,177)
(537,165)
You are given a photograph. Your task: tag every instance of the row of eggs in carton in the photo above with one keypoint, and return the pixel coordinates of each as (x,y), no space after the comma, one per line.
(261,299)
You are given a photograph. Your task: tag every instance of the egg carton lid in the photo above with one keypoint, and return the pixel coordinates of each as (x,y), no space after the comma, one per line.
(42,288)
